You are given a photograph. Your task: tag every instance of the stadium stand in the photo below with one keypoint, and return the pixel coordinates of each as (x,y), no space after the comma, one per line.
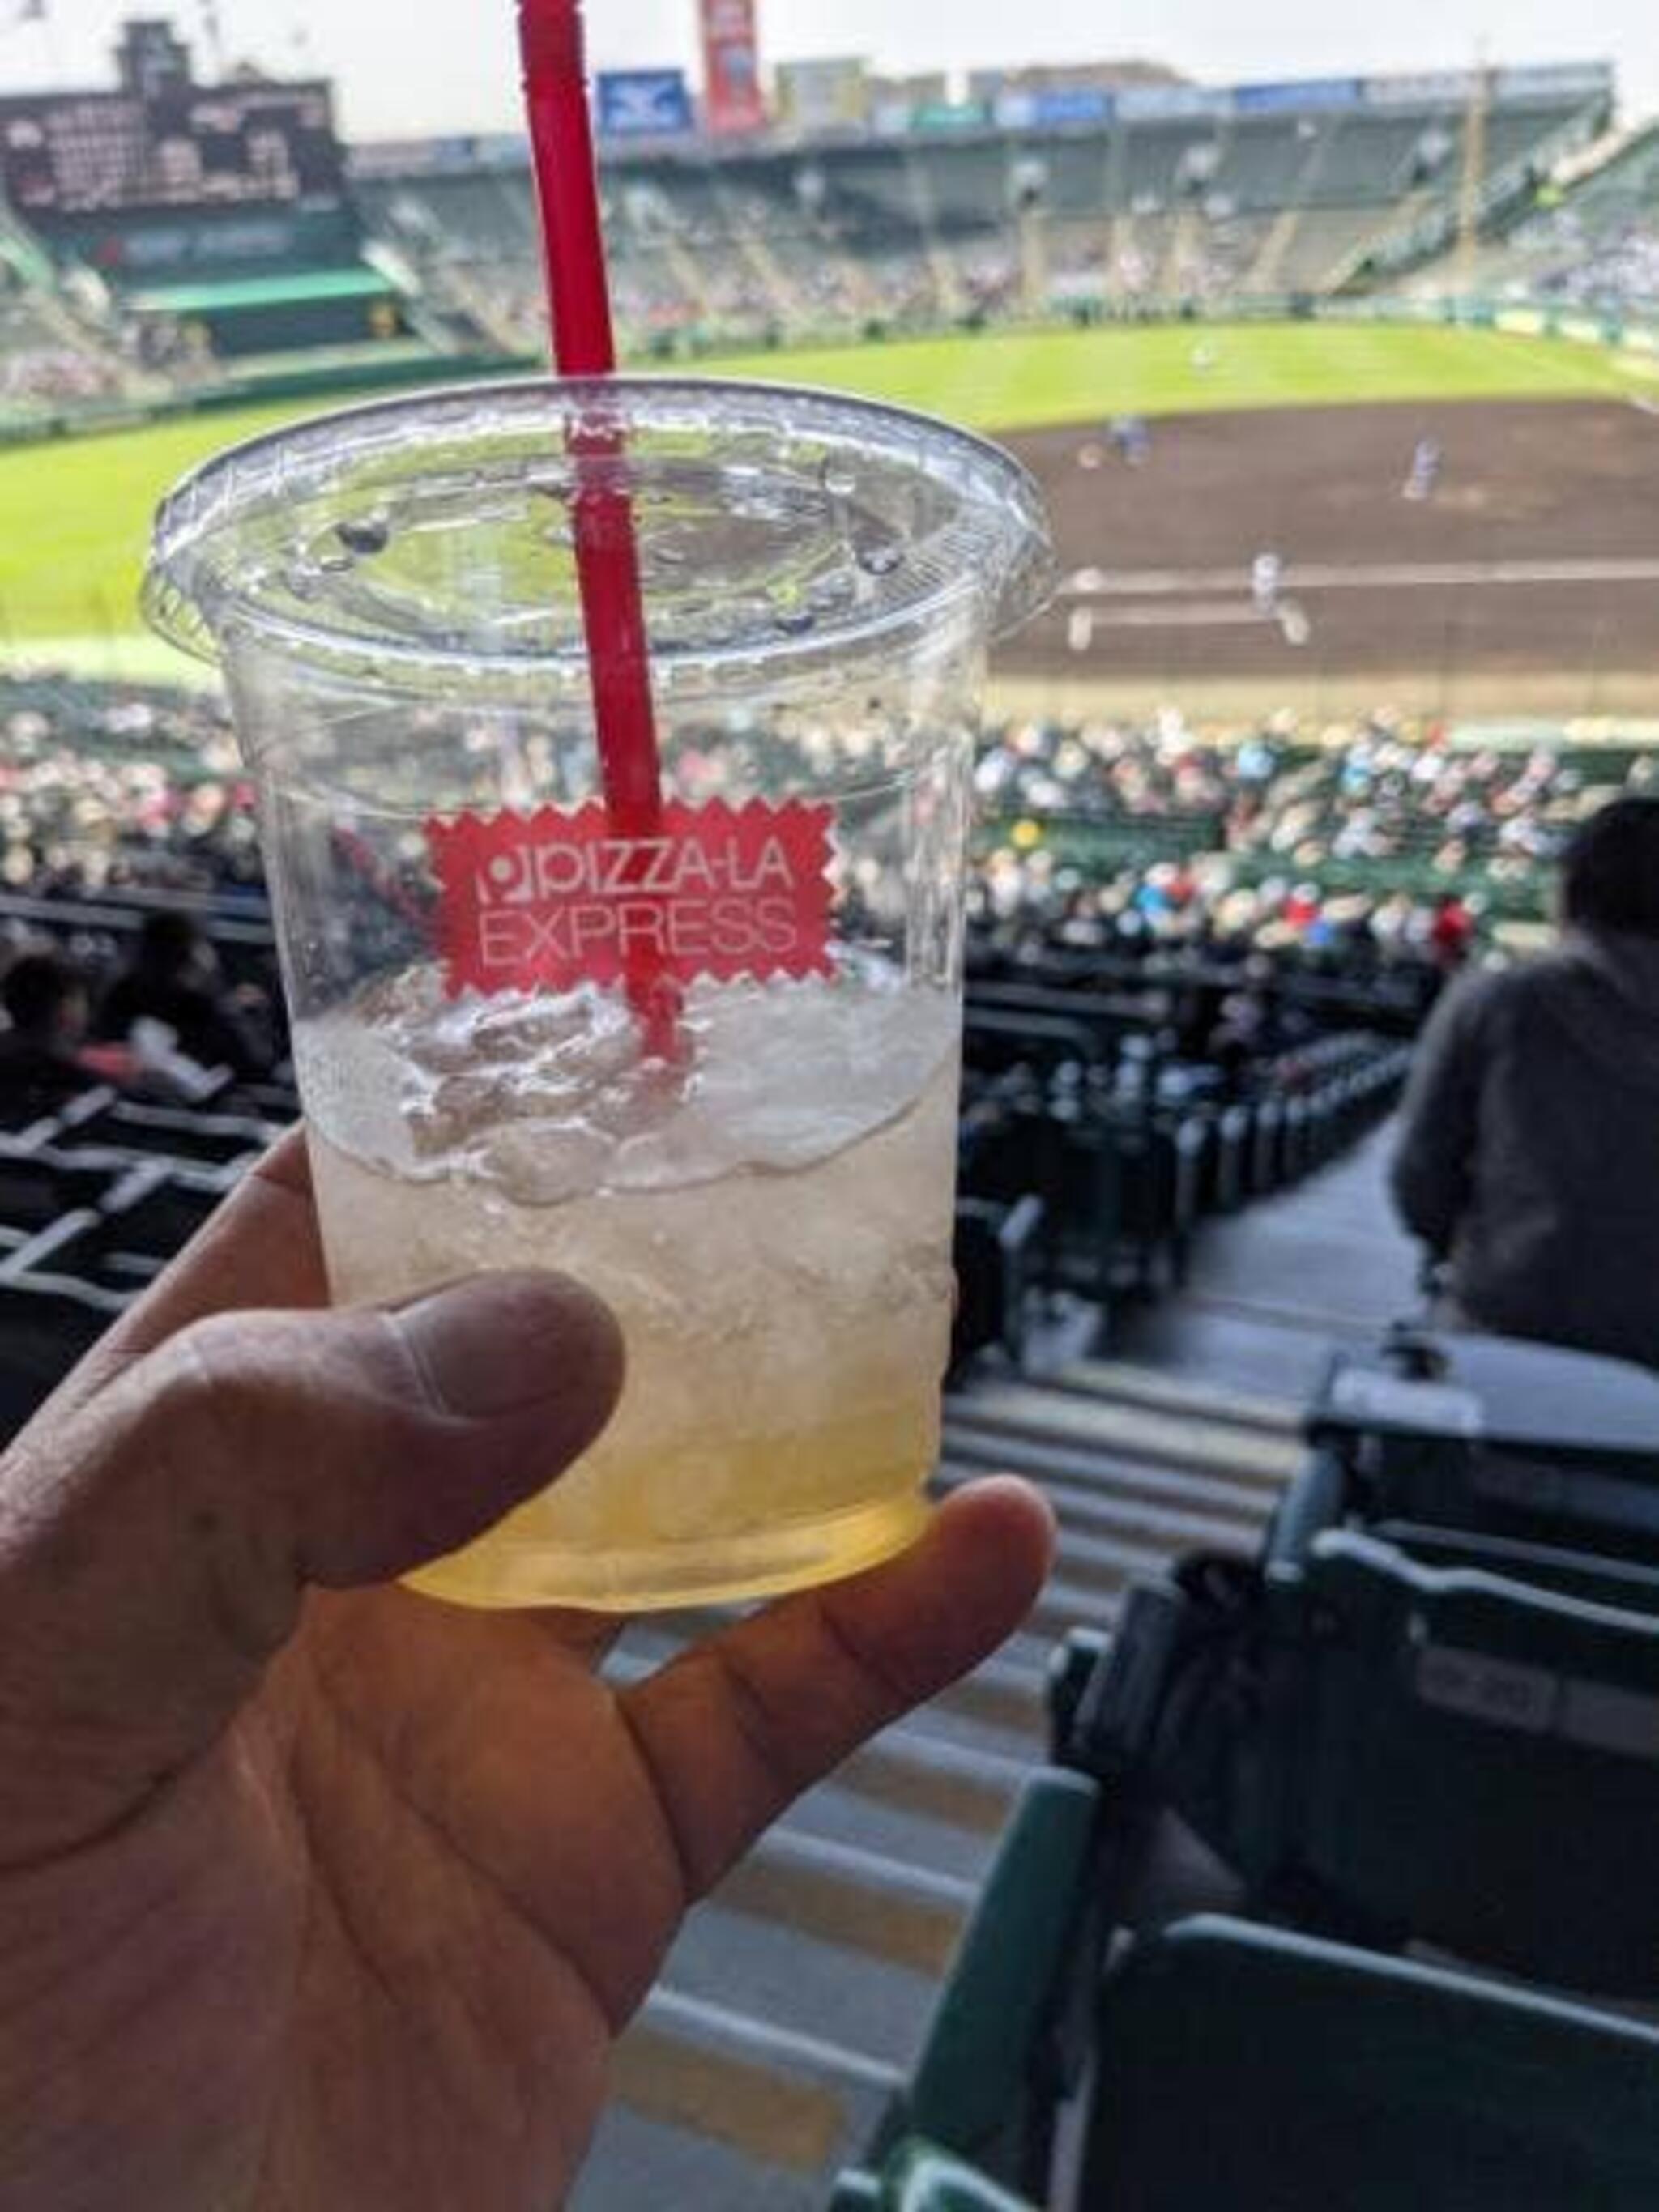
(1151,1042)
(160,222)
(1390,814)
(434,251)
(1154,1079)
(747,244)
(52,355)
(1594,245)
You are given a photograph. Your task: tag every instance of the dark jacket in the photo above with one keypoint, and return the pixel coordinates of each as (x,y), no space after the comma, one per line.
(36,1078)
(208,1029)
(1530,1153)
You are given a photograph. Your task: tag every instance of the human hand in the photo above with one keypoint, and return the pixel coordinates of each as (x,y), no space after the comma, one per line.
(319,1896)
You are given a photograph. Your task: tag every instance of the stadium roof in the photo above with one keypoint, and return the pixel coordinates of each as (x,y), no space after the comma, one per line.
(294,288)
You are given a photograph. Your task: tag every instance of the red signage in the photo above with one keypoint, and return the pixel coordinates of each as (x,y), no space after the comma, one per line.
(731,67)
(549,900)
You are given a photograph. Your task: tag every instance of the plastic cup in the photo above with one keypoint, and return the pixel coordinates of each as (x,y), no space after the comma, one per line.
(392,592)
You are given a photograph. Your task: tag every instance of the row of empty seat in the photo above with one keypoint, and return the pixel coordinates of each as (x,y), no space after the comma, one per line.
(95,1200)
(1337,1888)
(1095,1141)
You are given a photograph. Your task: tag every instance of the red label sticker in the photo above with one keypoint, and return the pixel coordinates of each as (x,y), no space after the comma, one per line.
(554,899)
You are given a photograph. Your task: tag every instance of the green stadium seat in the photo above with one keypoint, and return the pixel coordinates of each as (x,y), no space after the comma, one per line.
(1006,2043)
(1454,1748)
(1463,1757)
(1627,1585)
(997,1256)
(922,2178)
(1236,2064)
(1246,2066)
(994,2068)
(181,1133)
(1527,1441)
(45,1325)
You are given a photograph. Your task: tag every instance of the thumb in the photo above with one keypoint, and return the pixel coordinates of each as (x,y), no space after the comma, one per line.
(155,1544)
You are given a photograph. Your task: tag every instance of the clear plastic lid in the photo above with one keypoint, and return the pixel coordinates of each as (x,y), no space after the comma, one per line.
(429,539)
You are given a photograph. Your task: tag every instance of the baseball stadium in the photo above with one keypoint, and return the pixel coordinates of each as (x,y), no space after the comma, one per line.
(1287,1852)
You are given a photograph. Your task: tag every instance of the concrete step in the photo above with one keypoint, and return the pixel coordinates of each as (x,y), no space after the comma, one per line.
(1245,1346)
(1127,1511)
(914,1796)
(712,2109)
(1023,1410)
(1125,1381)
(825,1940)
(837,1815)
(1078,1480)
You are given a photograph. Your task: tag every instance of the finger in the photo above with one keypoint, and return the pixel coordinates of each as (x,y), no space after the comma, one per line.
(259,1249)
(737,1726)
(154,1548)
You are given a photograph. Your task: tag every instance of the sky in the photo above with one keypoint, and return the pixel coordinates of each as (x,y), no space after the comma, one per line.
(409,67)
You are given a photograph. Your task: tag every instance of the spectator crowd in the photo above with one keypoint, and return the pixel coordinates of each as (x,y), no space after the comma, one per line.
(1382,827)
(125,796)
(1375,845)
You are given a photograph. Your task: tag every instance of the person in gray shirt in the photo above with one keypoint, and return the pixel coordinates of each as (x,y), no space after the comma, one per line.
(1529,1157)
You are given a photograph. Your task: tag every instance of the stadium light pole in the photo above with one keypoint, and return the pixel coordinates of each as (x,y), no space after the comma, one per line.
(1473,178)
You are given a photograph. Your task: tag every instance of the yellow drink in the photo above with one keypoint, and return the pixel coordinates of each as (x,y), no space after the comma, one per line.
(772,1228)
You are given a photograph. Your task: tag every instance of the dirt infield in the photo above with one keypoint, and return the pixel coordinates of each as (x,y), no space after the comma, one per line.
(1527,582)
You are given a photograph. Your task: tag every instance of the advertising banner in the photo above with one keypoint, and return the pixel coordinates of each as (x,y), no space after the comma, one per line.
(1170,103)
(950,115)
(641,103)
(501,150)
(1436,88)
(1311,95)
(1082,104)
(817,97)
(731,68)
(1566,81)
(392,157)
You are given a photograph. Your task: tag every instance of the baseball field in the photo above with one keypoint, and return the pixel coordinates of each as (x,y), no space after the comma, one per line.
(1157,550)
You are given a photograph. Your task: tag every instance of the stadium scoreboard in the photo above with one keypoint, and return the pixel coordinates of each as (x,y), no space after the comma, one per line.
(237,145)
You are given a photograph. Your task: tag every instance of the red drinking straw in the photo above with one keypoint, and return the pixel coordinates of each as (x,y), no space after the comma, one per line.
(607,557)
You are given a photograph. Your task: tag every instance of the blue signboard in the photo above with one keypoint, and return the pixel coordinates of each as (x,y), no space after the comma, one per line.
(1080,104)
(1014,111)
(1171,103)
(1313,93)
(643,103)
(1565,81)
(1425,88)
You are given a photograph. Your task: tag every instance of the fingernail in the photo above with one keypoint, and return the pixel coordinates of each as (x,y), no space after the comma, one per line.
(501,1344)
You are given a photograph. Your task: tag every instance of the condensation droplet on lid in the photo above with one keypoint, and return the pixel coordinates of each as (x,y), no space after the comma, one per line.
(335,564)
(880,559)
(837,477)
(364,535)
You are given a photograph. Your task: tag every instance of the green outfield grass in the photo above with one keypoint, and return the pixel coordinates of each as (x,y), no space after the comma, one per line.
(76,513)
